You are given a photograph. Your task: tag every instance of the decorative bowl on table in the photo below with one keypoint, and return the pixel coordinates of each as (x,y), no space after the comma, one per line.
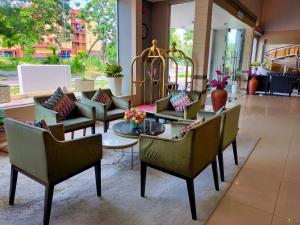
(135,117)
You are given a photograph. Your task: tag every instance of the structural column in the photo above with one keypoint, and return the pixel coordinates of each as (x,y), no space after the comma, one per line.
(202,29)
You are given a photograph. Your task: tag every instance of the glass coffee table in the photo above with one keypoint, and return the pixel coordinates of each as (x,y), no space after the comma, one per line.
(150,127)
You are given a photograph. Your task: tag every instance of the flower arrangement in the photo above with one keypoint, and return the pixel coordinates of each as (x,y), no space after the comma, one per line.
(221,80)
(135,117)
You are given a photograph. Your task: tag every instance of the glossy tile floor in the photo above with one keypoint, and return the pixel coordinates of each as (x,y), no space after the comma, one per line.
(267,189)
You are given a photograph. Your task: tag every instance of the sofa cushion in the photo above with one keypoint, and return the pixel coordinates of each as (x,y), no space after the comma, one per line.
(115,114)
(77,123)
(101,97)
(61,103)
(179,101)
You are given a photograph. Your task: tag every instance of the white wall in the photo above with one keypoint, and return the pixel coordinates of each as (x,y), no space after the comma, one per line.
(43,78)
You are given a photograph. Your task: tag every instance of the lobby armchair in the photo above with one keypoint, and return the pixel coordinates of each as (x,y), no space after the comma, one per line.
(228,133)
(164,109)
(48,159)
(82,117)
(185,158)
(116,111)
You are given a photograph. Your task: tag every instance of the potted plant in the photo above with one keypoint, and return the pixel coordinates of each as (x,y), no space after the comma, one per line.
(219,95)
(135,117)
(113,73)
(78,66)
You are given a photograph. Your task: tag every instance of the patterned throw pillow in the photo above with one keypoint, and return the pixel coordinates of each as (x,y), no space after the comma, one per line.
(186,129)
(61,103)
(41,124)
(179,101)
(103,98)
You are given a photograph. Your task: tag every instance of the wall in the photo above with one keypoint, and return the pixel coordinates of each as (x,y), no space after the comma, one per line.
(254,6)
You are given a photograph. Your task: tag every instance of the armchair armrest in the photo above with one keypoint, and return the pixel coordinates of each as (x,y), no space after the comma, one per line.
(190,111)
(162,104)
(86,110)
(67,157)
(42,113)
(57,131)
(121,103)
(163,153)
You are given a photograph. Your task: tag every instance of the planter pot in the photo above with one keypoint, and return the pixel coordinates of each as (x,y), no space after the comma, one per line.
(235,89)
(4,93)
(252,86)
(218,98)
(115,84)
(84,85)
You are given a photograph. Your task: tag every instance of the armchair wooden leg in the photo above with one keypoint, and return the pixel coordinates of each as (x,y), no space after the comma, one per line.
(191,192)
(13,185)
(72,135)
(84,132)
(221,165)
(93,128)
(235,152)
(215,174)
(143,178)
(48,203)
(98,177)
(105,127)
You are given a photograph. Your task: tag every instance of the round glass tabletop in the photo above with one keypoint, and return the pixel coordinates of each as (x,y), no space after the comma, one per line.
(150,127)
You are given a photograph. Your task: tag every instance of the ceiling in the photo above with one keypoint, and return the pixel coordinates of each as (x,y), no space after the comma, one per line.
(182,16)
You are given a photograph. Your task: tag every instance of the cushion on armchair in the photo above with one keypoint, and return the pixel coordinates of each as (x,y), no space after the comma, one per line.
(61,103)
(40,124)
(101,97)
(179,101)
(187,128)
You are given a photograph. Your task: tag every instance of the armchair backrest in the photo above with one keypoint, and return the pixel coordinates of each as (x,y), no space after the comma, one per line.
(205,143)
(230,125)
(27,148)
(193,95)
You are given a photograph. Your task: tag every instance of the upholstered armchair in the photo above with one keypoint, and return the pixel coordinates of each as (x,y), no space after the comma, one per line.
(164,109)
(82,117)
(184,158)
(48,159)
(116,110)
(228,133)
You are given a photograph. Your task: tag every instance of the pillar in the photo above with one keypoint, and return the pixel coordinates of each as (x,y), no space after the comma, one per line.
(202,30)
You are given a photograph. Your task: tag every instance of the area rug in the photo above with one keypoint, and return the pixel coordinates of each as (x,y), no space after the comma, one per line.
(75,201)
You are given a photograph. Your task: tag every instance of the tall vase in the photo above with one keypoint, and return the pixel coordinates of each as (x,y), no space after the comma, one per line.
(218,98)
(252,86)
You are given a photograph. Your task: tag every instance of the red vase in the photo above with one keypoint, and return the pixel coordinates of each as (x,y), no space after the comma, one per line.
(218,98)
(252,86)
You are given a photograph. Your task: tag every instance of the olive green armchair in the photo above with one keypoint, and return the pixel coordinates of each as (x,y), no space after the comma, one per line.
(116,111)
(228,133)
(82,117)
(184,158)
(48,159)
(164,108)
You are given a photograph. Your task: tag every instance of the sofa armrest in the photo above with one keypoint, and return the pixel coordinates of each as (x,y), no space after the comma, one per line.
(121,103)
(162,104)
(86,110)
(67,157)
(51,117)
(57,131)
(191,110)
(100,108)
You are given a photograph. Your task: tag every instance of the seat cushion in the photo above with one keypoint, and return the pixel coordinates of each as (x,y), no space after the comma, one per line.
(115,114)
(170,114)
(77,123)
(101,97)
(179,101)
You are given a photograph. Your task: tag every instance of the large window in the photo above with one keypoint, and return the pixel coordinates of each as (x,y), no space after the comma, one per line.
(81,33)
